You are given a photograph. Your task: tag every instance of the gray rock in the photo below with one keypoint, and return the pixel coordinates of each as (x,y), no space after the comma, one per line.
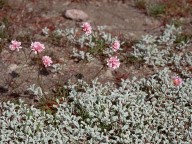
(75,14)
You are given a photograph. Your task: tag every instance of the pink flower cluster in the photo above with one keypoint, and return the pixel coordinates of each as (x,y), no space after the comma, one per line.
(115,45)
(177,81)
(47,61)
(15,45)
(113,62)
(86,27)
(37,47)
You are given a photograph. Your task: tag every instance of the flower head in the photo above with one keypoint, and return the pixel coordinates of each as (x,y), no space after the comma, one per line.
(86,27)
(177,81)
(47,61)
(115,45)
(15,45)
(37,47)
(113,62)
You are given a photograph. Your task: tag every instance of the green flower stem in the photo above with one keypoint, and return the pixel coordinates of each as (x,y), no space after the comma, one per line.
(39,78)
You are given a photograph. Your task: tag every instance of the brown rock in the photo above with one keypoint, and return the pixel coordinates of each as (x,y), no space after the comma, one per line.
(76,14)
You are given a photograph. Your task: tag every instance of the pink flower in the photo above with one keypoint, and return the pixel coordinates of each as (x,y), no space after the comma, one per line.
(37,47)
(177,81)
(113,62)
(47,61)
(15,45)
(115,45)
(86,27)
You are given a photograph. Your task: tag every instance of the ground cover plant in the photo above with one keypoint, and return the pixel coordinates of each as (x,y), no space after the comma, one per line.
(174,8)
(57,105)
(170,11)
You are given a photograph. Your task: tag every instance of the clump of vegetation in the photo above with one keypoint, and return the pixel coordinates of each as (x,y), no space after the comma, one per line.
(165,8)
(155,109)
(157,9)
(3,3)
(140,4)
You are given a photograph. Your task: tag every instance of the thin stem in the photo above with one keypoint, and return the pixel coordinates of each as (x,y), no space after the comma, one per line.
(25,55)
(40,77)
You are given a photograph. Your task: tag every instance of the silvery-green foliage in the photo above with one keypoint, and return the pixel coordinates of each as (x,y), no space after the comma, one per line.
(176,59)
(149,39)
(90,41)
(109,50)
(58,33)
(56,68)
(169,35)
(127,117)
(149,110)
(101,28)
(107,37)
(82,55)
(81,41)
(20,124)
(149,50)
(160,50)
(78,54)
(89,57)
(188,58)
(70,34)
(37,91)
(183,45)
(45,31)
(182,62)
